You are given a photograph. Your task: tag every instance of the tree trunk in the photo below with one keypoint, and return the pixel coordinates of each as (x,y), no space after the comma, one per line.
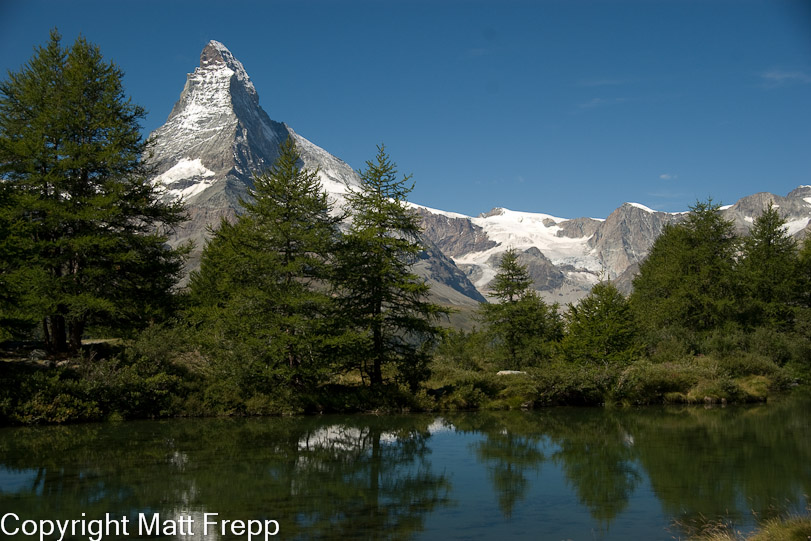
(55,337)
(76,332)
(376,377)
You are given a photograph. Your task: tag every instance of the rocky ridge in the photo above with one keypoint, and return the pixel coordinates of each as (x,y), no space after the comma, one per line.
(217,136)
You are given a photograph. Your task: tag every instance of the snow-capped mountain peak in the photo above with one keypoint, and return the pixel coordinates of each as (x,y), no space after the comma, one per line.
(215,55)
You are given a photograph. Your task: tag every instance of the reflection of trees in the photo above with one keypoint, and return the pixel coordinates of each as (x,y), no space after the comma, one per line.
(702,464)
(356,477)
(596,455)
(371,477)
(731,462)
(511,448)
(591,448)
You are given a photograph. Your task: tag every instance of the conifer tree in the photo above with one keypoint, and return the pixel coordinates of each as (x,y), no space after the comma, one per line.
(382,299)
(86,231)
(687,278)
(803,293)
(260,297)
(768,271)
(521,323)
(601,328)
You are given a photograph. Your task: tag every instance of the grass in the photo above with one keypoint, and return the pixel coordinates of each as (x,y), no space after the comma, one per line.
(793,528)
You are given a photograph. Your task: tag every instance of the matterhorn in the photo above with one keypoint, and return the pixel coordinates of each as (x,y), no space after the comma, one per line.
(216,139)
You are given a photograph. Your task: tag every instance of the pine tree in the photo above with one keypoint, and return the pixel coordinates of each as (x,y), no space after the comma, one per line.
(687,278)
(87,231)
(378,293)
(803,293)
(260,297)
(601,328)
(521,323)
(768,272)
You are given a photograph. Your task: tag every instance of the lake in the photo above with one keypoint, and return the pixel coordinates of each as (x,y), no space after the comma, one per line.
(559,473)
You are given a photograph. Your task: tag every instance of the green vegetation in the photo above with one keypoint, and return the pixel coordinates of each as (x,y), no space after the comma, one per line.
(293,312)
(713,318)
(521,325)
(260,315)
(792,528)
(84,232)
(380,298)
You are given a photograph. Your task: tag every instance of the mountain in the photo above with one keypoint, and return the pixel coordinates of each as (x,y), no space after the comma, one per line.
(566,257)
(217,136)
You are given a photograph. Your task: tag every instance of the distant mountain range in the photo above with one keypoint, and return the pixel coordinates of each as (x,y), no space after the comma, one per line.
(217,136)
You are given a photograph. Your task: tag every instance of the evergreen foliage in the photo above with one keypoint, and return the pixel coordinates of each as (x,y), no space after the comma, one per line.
(84,232)
(601,328)
(521,325)
(768,272)
(803,294)
(260,297)
(379,295)
(687,279)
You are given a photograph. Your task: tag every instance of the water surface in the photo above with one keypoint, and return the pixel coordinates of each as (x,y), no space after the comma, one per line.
(561,473)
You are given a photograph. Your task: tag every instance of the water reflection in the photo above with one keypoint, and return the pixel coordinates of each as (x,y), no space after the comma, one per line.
(359,476)
(559,473)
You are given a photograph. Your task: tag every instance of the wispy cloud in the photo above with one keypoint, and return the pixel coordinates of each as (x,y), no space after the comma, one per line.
(601,102)
(779,77)
(589,83)
(668,176)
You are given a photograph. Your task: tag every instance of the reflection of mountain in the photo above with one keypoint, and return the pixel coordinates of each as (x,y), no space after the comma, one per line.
(382,477)
(357,478)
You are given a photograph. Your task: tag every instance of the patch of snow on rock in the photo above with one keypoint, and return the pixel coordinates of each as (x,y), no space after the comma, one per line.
(643,207)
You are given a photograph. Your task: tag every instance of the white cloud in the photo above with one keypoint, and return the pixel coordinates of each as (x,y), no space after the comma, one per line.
(778,77)
(668,176)
(599,102)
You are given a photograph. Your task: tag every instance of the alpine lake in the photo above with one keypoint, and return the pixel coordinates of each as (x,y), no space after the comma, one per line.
(560,473)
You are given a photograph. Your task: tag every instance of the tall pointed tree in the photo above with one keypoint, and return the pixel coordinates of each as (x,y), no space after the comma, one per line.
(768,271)
(379,294)
(260,297)
(687,278)
(521,324)
(87,231)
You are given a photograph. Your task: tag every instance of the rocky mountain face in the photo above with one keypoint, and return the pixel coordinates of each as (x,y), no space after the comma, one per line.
(566,258)
(217,137)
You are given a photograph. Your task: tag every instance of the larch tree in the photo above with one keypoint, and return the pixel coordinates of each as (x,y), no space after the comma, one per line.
(601,328)
(687,279)
(382,299)
(521,325)
(261,297)
(768,272)
(86,230)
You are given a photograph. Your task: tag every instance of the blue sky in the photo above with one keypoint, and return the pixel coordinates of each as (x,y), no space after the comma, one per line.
(567,107)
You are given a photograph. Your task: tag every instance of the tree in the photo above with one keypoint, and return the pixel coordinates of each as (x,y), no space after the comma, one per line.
(379,295)
(803,294)
(521,323)
(601,328)
(687,279)
(87,231)
(260,297)
(768,270)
